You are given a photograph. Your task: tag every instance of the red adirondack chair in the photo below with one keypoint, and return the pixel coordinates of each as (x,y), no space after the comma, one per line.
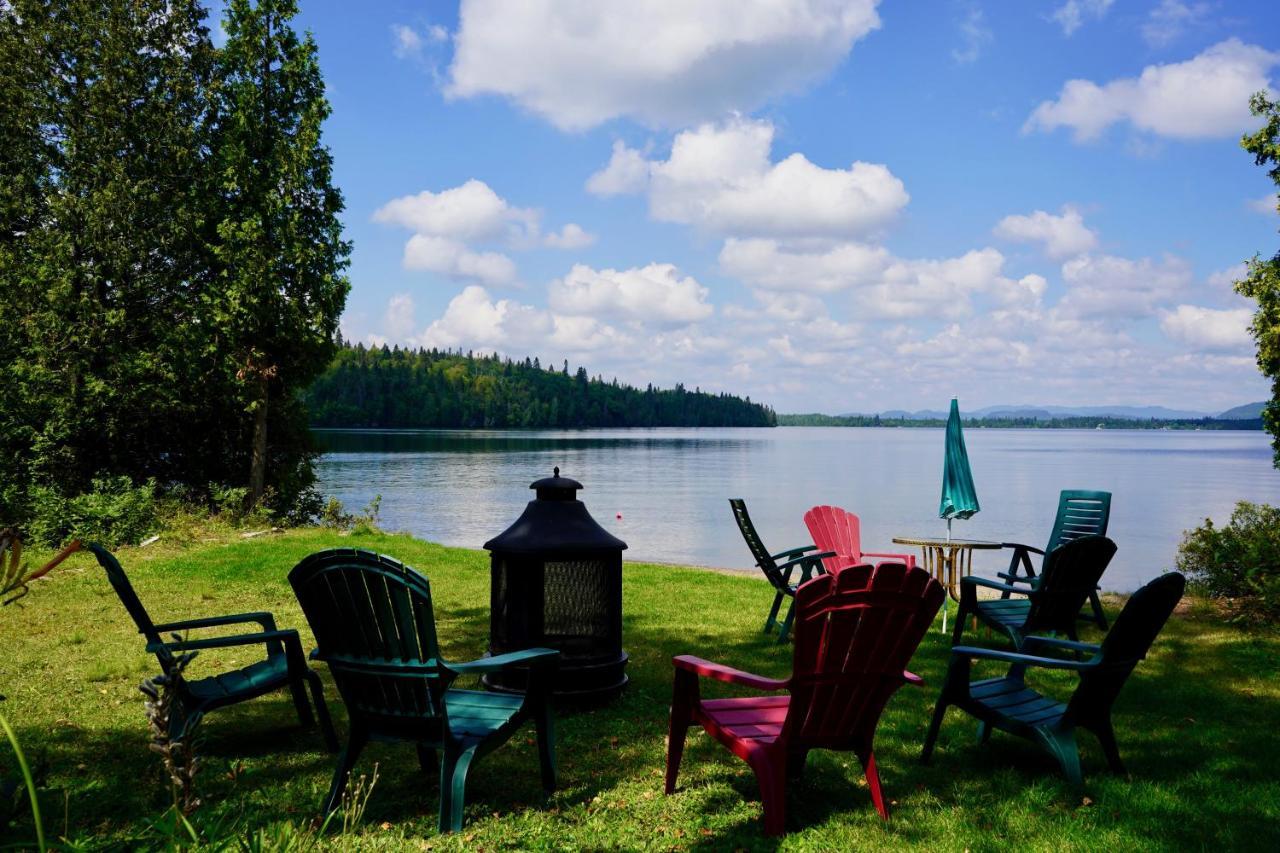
(836,529)
(855,632)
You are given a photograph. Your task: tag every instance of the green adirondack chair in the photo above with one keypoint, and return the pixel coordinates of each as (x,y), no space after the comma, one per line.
(1010,705)
(374,627)
(284,666)
(779,574)
(1080,513)
(1050,604)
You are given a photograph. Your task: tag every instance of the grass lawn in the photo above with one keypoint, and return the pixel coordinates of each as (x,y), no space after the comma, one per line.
(1197,726)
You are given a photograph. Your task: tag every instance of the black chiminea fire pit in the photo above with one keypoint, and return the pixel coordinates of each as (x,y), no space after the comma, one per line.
(556,582)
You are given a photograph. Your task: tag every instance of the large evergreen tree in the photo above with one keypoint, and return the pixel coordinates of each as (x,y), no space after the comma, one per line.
(103,117)
(1263,280)
(281,256)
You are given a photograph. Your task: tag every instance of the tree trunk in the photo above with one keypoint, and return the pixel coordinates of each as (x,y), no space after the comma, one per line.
(258,466)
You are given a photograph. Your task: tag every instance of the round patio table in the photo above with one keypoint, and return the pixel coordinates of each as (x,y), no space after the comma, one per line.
(948,560)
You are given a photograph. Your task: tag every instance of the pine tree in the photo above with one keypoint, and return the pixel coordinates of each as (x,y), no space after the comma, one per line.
(281,256)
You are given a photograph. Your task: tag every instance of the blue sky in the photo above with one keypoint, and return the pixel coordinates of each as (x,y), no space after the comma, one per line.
(829,206)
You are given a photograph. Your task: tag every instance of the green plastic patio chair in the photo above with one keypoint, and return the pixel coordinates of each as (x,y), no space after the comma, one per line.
(1050,603)
(1010,705)
(374,627)
(779,574)
(1080,513)
(284,666)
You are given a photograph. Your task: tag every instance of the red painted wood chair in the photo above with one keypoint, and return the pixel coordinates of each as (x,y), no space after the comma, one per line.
(838,530)
(855,632)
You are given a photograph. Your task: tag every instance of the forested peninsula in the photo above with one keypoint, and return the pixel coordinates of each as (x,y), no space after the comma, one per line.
(395,388)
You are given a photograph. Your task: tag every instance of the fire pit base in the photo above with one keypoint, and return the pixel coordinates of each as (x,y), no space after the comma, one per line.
(585,683)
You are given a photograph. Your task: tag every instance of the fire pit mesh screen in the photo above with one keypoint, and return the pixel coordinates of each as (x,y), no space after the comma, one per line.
(576,606)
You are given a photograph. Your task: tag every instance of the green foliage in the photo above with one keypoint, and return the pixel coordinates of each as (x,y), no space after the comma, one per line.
(403,388)
(1238,563)
(170,254)
(1262,282)
(112,510)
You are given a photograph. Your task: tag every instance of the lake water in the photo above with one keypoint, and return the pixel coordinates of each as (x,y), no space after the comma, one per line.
(665,491)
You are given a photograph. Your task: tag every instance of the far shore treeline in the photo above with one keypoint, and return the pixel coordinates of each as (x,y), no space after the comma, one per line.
(394,388)
(1075,422)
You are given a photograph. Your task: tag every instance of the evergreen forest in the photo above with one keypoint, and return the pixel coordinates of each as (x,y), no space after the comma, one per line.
(396,388)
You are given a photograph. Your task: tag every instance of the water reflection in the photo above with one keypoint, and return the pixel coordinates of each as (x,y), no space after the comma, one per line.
(665,491)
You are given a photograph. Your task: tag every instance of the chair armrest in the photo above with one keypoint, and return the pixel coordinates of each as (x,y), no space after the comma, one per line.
(266,620)
(288,637)
(1019,547)
(808,558)
(792,552)
(975,653)
(974,580)
(1012,578)
(500,662)
(912,679)
(719,672)
(1037,640)
(875,554)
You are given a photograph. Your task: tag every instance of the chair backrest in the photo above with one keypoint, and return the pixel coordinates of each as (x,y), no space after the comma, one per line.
(373,623)
(761,554)
(838,530)
(855,633)
(1080,513)
(1071,571)
(1129,640)
(120,583)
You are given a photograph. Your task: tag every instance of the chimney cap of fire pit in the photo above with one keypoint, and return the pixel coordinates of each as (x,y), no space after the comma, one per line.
(555,521)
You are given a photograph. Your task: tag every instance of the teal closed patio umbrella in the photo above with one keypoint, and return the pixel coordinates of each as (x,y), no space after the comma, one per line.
(959,499)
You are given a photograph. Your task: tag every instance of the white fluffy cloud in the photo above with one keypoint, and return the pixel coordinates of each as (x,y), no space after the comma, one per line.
(654,294)
(571,236)
(1071,15)
(1114,289)
(1061,236)
(975,35)
(1204,97)
(472,211)
(770,265)
(398,320)
(405,41)
(720,178)
(1208,328)
(453,259)
(473,319)
(626,172)
(578,63)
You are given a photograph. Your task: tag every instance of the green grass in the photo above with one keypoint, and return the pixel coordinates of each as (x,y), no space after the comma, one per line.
(1197,725)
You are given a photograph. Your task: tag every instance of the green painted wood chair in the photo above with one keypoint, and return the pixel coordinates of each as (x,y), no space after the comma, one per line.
(1050,604)
(1010,705)
(779,573)
(374,627)
(284,665)
(1080,513)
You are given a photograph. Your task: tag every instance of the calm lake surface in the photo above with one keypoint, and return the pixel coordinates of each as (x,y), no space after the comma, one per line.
(665,491)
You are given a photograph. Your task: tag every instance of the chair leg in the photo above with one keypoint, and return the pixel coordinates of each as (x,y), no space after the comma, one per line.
(786,623)
(300,703)
(1107,738)
(545,725)
(453,786)
(772,619)
(322,711)
(773,792)
(1062,746)
(984,732)
(428,758)
(684,697)
(356,740)
(868,757)
(1099,617)
(939,711)
(958,631)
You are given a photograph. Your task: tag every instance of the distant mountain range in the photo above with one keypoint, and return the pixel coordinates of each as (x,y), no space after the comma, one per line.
(1137,413)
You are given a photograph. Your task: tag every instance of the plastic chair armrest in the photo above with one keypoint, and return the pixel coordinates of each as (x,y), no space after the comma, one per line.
(974,580)
(792,552)
(719,672)
(876,554)
(289,637)
(500,662)
(1020,547)
(975,653)
(266,620)
(1037,640)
